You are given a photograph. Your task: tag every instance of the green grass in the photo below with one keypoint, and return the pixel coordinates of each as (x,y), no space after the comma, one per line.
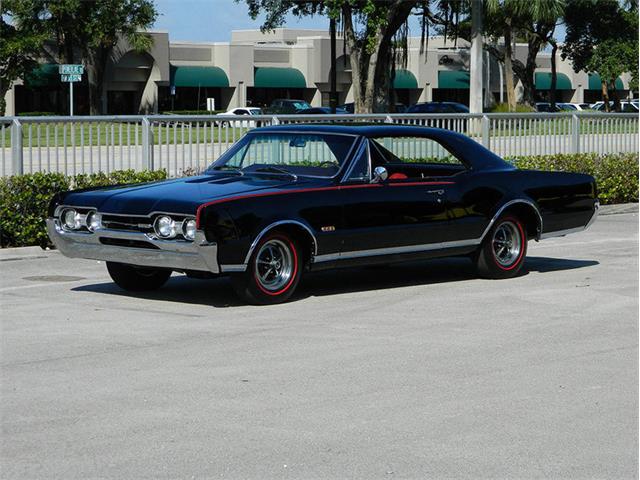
(59,134)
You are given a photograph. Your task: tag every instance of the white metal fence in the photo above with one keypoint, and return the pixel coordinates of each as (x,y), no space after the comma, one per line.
(180,144)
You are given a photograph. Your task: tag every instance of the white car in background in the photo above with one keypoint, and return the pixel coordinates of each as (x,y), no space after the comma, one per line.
(626,106)
(250,111)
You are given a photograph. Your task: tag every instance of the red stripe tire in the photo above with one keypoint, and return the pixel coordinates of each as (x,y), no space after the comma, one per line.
(504,249)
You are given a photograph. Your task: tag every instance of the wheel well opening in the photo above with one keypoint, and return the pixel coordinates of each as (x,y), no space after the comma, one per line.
(529,216)
(302,237)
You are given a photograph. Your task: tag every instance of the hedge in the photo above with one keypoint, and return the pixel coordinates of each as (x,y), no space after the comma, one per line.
(615,174)
(24,200)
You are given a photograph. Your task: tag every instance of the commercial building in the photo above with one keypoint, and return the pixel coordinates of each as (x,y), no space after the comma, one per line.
(255,68)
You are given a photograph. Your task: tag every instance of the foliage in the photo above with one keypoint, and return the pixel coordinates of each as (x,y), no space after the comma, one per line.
(616,174)
(602,35)
(24,200)
(18,47)
(520,108)
(91,28)
(375,33)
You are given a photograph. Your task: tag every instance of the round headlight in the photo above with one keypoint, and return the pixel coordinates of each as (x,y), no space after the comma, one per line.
(94,221)
(189,229)
(71,220)
(165,227)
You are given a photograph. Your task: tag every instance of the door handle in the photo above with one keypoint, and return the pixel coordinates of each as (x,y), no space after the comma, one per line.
(437,192)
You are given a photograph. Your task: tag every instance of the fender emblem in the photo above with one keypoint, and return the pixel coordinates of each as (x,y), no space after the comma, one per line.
(328,228)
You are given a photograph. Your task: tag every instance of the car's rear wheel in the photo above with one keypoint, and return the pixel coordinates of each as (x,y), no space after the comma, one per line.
(273,271)
(137,279)
(504,249)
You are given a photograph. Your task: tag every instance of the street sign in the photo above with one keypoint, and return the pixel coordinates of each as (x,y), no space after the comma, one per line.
(71,74)
(71,78)
(70,69)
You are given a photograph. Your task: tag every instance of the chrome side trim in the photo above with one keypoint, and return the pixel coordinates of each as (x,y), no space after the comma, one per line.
(395,250)
(200,255)
(233,268)
(561,233)
(275,224)
(505,206)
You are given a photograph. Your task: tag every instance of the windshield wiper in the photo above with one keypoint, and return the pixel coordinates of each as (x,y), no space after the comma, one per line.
(274,169)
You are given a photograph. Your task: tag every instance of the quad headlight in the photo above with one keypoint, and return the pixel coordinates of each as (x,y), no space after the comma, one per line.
(189,229)
(94,221)
(165,227)
(71,219)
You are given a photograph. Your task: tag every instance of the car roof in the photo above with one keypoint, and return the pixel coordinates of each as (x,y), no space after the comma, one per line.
(481,157)
(362,129)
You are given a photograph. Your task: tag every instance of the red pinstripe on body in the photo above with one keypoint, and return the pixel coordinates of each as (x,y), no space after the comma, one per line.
(314,189)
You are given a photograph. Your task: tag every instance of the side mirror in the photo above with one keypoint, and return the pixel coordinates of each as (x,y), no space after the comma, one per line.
(380,174)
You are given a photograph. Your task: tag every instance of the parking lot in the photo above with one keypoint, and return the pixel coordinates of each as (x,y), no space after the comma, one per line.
(410,371)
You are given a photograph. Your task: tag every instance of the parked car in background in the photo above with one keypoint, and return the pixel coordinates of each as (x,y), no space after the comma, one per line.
(243,111)
(572,107)
(626,106)
(545,107)
(289,199)
(438,107)
(322,111)
(286,106)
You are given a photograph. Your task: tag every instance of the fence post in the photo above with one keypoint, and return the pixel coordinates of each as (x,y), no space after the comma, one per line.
(575,134)
(147,144)
(485,131)
(16,147)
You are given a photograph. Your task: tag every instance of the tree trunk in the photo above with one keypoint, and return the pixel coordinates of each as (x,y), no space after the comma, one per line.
(615,97)
(605,96)
(96,66)
(554,75)
(508,68)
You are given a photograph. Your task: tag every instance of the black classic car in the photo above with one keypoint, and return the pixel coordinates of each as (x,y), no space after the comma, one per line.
(285,200)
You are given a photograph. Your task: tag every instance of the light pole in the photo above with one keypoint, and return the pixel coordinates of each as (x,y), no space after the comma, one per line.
(333,95)
(475,77)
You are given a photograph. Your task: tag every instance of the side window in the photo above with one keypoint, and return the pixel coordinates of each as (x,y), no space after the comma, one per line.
(415,150)
(361,170)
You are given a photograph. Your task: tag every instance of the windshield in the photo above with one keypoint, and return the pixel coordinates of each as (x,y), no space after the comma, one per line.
(299,105)
(318,155)
(255,111)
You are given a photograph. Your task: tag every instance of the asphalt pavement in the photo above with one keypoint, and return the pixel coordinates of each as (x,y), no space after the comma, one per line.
(411,371)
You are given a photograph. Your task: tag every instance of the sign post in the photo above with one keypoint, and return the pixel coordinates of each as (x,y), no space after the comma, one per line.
(71,74)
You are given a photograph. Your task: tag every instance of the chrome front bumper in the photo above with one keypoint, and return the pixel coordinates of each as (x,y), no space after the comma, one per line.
(199,255)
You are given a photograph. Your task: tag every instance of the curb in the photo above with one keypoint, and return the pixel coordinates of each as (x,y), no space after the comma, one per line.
(618,208)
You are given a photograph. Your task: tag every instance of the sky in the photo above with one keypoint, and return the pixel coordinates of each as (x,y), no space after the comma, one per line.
(213,20)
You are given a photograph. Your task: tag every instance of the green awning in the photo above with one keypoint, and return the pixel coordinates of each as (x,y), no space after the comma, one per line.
(43,75)
(543,81)
(276,77)
(187,76)
(404,79)
(453,79)
(595,82)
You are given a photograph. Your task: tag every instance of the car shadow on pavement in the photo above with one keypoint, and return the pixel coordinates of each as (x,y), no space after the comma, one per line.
(219,293)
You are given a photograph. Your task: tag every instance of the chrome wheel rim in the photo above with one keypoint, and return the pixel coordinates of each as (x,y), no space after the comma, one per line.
(507,243)
(274,265)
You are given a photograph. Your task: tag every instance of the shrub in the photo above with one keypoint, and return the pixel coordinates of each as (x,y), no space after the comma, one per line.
(615,174)
(24,200)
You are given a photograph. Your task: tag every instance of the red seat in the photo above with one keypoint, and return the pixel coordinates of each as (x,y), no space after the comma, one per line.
(398,176)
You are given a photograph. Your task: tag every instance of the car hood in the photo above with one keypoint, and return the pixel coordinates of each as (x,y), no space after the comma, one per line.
(182,195)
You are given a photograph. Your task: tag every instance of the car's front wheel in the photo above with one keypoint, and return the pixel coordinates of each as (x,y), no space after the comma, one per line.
(504,249)
(137,279)
(273,271)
